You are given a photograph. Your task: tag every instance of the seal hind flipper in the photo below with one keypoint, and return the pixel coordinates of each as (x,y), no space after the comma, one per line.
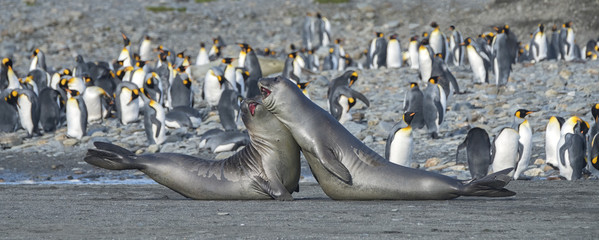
(489,186)
(111,157)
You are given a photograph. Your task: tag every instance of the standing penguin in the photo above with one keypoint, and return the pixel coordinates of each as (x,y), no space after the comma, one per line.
(38,60)
(457,50)
(433,107)
(288,69)
(145,49)
(125,55)
(478,148)
(50,101)
(552,136)
(96,103)
(377,51)
(127,102)
(413,52)
(28,107)
(506,149)
(308,31)
(479,61)
(9,119)
(425,60)
(553,51)
(76,115)
(539,44)
(153,87)
(399,146)
(180,92)
(154,118)
(228,109)
(213,86)
(572,154)
(394,54)
(567,42)
(437,40)
(251,63)
(445,77)
(413,100)
(202,58)
(502,62)
(8,77)
(342,99)
(525,133)
(323,30)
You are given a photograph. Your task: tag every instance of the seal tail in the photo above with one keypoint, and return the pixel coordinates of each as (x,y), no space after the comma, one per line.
(489,186)
(111,157)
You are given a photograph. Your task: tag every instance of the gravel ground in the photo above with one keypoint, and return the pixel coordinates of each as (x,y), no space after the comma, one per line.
(540,210)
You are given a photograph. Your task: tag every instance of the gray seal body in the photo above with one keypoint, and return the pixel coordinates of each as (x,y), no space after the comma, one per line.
(269,167)
(346,169)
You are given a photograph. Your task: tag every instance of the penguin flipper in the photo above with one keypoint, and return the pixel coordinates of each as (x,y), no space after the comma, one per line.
(489,186)
(158,126)
(360,96)
(563,148)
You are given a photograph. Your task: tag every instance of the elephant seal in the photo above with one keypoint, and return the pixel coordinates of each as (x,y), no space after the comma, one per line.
(268,167)
(346,169)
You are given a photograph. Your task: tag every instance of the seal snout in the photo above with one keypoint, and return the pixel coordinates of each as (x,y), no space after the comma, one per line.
(265,91)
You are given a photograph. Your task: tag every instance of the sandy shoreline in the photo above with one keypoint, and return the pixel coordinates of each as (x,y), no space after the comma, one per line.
(541,209)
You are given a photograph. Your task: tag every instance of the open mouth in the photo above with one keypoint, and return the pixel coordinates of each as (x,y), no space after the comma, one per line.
(265,92)
(252,107)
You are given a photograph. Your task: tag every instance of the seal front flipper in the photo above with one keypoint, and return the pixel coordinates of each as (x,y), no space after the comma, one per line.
(275,189)
(331,164)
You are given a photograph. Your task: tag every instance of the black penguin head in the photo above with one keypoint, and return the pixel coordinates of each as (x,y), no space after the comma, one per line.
(413,85)
(434,25)
(66,72)
(187,82)
(294,54)
(181,54)
(451,28)
(439,55)
(12,98)
(424,34)
(394,36)
(467,41)
(506,29)
(7,62)
(554,27)
(244,47)
(541,27)
(79,59)
(414,38)
(379,34)
(35,52)
(150,82)
(424,41)
(136,57)
(433,80)
(595,112)
(227,60)
(292,47)
(338,41)
(134,94)
(351,102)
(521,113)
(408,117)
(72,92)
(126,41)
(88,80)
(146,37)
(318,15)
(353,77)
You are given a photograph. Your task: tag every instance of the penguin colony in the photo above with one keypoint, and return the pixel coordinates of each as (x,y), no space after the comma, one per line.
(154,85)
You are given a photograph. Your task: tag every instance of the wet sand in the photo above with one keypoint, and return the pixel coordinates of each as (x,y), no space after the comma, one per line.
(540,210)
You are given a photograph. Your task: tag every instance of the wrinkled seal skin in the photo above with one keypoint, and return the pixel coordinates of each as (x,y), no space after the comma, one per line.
(268,167)
(346,169)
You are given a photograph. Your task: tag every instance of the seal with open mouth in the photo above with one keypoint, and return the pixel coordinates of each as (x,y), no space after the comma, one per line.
(268,167)
(346,169)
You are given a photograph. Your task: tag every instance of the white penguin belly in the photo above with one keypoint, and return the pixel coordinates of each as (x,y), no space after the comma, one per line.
(394,57)
(426,65)
(74,129)
(541,42)
(506,151)
(476,64)
(552,136)
(94,107)
(566,170)
(129,111)
(345,116)
(526,141)
(212,91)
(25,116)
(400,151)
(413,50)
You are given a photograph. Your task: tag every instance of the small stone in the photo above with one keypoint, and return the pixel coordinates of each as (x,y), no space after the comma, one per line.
(99,134)
(56,166)
(10,140)
(432,162)
(551,93)
(365,7)
(223,214)
(70,142)
(534,172)
(539,161)
(60,137)
(415,165)
(154,148)
(139,151)
(565,74)
(547,168)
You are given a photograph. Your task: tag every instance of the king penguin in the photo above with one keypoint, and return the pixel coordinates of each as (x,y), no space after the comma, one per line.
(553,51)
(125,55)
(413,100)
(399,146)
(153,87)
(202,58)
(525,133)
(506,150)
(28,107)
(457,50)
(413,51)
(433,107)
(539,44)
(342,99)
(127,102)
(228,109)
(8,77)
(76,115)
(213,86)
(437,40)
(96,103)
(425,60)
(502,62)
(154,118)
(9,119)
(394,54)
(377,51)
(50,101)
(479,61)
(572,153)
(180,92)
(552,136)
(478,150)
(567,42)
(38,60)
(145,49)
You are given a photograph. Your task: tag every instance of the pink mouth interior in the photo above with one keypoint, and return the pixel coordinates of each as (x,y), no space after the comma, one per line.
(264,90)
(252,108)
